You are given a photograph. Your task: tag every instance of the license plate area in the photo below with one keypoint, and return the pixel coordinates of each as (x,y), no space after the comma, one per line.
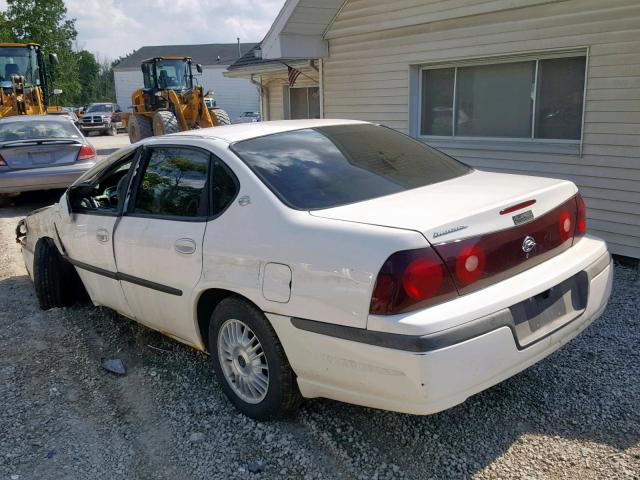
(547,311)
(41,158)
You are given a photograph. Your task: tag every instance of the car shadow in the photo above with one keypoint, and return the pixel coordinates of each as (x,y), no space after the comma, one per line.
(585,392)
(26,202)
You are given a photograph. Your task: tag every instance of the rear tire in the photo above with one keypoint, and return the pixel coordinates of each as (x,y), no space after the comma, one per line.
(280,396)
(165,123)
(139,128)
(219,117)
(55,280)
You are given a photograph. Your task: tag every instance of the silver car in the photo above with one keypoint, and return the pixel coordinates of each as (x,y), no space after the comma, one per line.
(41,152)
(248,117)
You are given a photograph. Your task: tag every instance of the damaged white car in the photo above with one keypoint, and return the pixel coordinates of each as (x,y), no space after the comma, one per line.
(326,258)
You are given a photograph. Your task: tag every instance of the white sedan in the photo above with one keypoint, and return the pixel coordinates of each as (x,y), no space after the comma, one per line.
(326,258)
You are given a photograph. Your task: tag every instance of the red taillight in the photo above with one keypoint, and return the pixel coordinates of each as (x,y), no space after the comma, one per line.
(581,220)
(423,278)
(2,162)
(409,280)
(87,152)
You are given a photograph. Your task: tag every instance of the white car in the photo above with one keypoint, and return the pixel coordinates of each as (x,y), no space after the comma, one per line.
(326,258)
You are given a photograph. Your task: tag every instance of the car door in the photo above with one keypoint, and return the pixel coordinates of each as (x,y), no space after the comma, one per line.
(158,241)
(86,234)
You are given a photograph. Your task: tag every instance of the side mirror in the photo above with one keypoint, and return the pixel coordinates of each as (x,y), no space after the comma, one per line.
(57,91)
(199,67)
(74,195)
(53,59)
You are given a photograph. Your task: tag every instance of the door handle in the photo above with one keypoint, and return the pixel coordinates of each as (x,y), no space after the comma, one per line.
(102,235)
(186,246)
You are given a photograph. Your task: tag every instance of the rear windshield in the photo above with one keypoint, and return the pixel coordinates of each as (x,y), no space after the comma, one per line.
(37,129)
(326,167)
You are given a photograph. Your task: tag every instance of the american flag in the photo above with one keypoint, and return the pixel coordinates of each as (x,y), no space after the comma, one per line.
(293,75)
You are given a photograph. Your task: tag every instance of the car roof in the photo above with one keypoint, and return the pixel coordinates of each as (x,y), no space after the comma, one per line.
(244,131)
(27,118)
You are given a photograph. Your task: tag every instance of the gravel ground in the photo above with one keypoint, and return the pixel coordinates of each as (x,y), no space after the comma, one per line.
(574,415)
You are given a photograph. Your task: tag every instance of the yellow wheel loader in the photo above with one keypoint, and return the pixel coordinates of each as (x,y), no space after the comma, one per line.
(170,102)
(24,83)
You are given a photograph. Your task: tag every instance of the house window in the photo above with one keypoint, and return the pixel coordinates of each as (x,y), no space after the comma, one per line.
(304,102)
(539,99)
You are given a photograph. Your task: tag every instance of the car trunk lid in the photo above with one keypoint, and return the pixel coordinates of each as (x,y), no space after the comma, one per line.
(484,226)
(39,153)
(465,206)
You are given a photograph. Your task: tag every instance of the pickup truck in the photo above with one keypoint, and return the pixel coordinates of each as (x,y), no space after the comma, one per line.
(101,117)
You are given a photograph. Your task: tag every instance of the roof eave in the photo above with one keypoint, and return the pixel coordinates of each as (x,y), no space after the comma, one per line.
(280,43)
(246,71)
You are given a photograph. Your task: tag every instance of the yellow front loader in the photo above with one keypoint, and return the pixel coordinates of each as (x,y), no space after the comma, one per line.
(24,83)
(170,102)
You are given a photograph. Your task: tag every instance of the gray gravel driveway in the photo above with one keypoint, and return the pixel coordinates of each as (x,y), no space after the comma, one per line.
(574,415)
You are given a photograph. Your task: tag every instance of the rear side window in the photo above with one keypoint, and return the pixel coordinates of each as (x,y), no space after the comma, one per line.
(174,183)
(224,187)
(329,166)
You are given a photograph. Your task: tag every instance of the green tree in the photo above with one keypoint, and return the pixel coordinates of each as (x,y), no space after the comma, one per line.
(88,71)
(41,21)
(5,30)
(65,76)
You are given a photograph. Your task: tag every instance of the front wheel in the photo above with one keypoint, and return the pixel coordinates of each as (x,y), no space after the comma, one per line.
(56,282)
(139,128)
(250,361)
(219,117)
(165,123)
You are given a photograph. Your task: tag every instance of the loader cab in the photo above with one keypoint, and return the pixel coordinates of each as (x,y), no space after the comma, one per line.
(168,73)
(25,60)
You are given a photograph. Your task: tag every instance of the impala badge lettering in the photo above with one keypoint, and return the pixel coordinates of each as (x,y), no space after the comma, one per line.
(523,217)
(449,230)
(528,244)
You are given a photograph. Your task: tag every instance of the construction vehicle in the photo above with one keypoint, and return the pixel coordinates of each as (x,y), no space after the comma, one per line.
(24,82)
(170,101)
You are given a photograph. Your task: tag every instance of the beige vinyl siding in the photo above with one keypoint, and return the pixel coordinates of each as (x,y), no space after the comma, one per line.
(368,76)
(275,83)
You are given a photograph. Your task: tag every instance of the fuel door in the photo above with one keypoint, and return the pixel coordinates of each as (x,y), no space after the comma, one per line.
(276,282)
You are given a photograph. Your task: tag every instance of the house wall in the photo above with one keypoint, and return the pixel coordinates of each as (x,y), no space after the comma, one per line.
(273,104)
(235,95)
(126,82)
(376,47)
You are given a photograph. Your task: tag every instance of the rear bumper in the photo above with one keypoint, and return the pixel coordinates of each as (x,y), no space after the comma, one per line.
(447,367)
(46,178)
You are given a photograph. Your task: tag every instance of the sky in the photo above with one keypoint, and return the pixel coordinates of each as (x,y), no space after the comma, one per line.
(113,28)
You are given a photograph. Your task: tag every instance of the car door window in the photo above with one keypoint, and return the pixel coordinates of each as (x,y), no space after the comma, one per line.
(103,195)
(174,184)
